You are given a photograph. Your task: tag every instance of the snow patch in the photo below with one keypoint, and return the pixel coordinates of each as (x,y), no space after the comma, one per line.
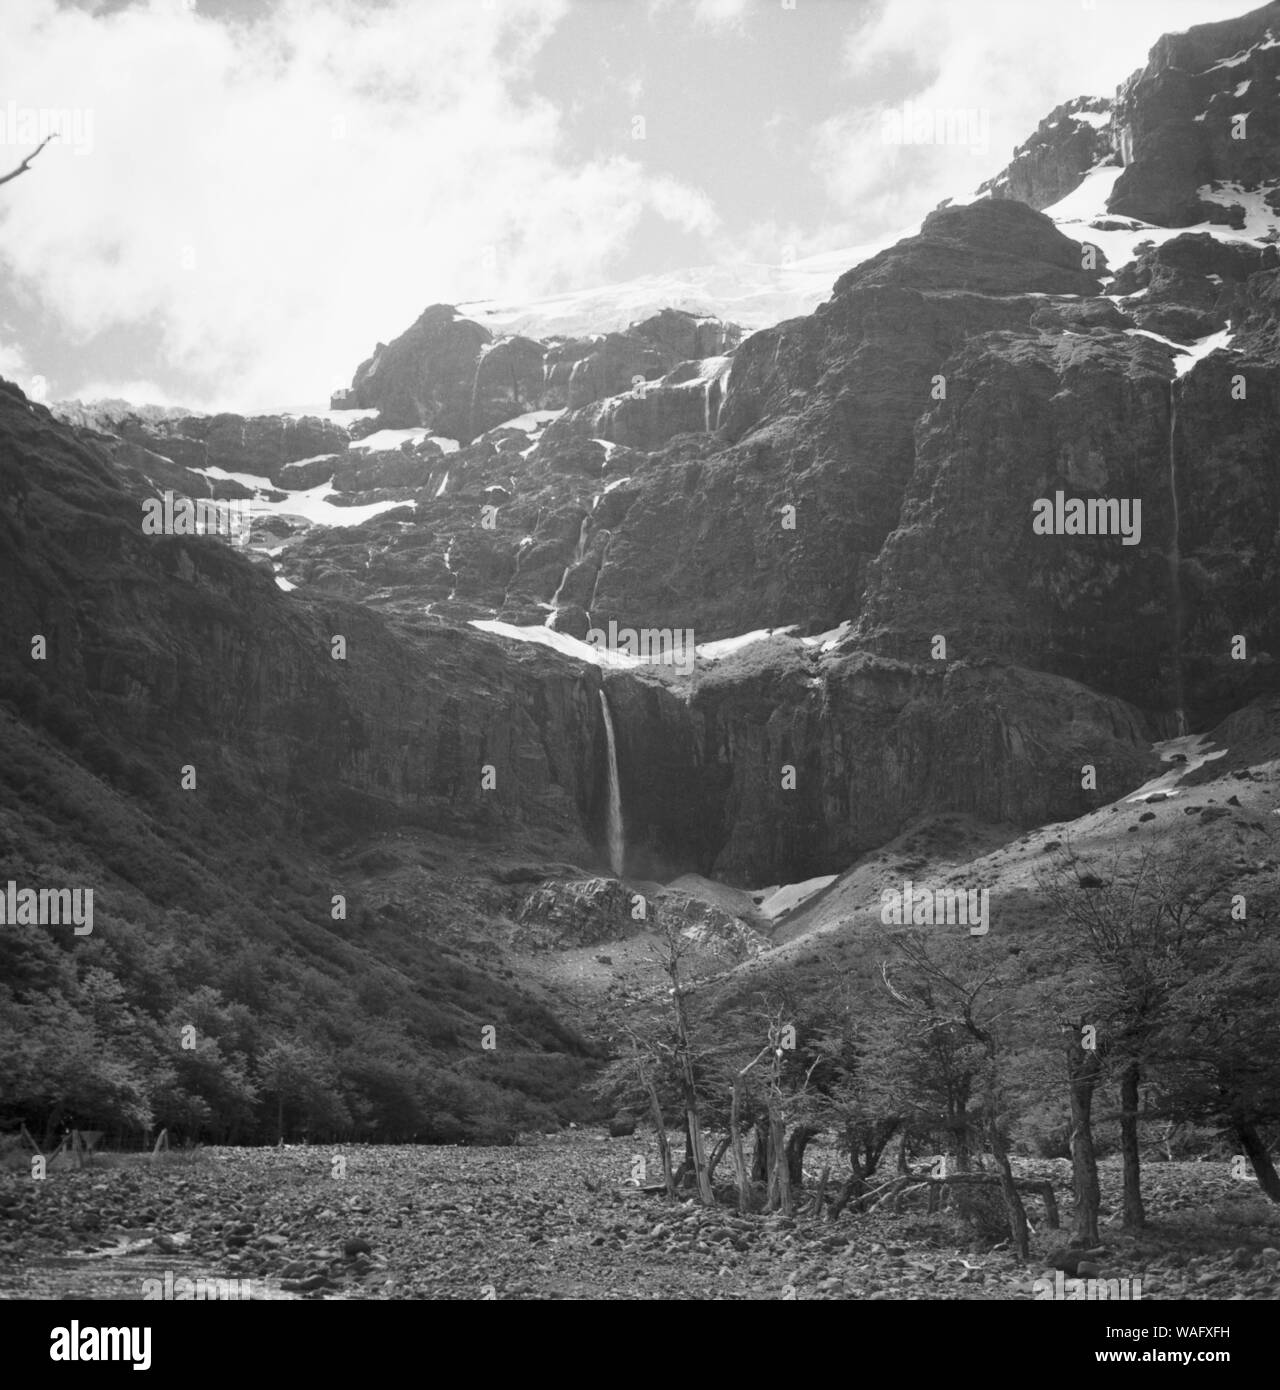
(321,412)
(312,506)
(315,458)
(753,294)
(791,895)
(1194,748)
(1189,354)
(530,421)
(390,439)
(560,642)
(825,641)
(1088,203)
(726,646)
(1260,220)
(250,480)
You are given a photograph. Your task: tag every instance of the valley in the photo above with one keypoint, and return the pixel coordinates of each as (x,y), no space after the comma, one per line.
(747,783)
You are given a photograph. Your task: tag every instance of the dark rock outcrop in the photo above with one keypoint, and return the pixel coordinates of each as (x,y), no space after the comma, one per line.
(453,376)
(1175,120)
(820,415)
(873,744)
(263,446)
(1200,112)
(1072,139)
(427,376)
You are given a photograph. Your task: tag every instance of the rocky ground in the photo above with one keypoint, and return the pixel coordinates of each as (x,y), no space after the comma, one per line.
(556,1219)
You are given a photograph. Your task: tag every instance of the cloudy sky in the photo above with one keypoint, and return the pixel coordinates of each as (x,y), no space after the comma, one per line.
(252,193)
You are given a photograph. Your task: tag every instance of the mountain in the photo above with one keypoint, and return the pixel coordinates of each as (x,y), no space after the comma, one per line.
(841,508)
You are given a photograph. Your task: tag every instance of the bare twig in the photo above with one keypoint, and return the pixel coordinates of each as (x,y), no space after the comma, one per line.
(26,163)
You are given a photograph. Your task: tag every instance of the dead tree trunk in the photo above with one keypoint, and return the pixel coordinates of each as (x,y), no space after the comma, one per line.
(854,1186)
(779,1177)
(660,1133)
(735,1146)
(693,1123)
(686,1163)
(760,1153)
(1134,1216)
(820,1197)
(779,1173)
(1083,1066)
(721,1148)
(796,1145)
(735,1135)
(1256,1152)
(1008,1188)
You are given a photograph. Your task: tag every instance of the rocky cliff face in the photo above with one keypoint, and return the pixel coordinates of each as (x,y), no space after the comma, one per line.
(184,648)
(187,652)
(1201,114)
(1203,110)
(801,763)
(1028,417)
(453,376)
(1071,140)
(877,463)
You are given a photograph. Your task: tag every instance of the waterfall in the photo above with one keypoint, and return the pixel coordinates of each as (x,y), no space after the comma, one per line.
(475,391)
(1175,564)
(724,392)
(604,552)
(617,844)
(453,574)
(579,551)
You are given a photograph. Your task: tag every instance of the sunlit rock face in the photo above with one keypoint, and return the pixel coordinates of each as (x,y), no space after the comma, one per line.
(452,375)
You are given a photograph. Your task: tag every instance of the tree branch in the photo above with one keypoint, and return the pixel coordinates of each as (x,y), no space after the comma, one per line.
(26,163)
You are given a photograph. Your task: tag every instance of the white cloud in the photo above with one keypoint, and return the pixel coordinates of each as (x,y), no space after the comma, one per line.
(276,196)
(707,13)
(13,363)
(770,242)
(719,11)
(139,391)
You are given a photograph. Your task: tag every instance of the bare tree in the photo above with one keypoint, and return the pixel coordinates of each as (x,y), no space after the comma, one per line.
(1134,929)
(961,999)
